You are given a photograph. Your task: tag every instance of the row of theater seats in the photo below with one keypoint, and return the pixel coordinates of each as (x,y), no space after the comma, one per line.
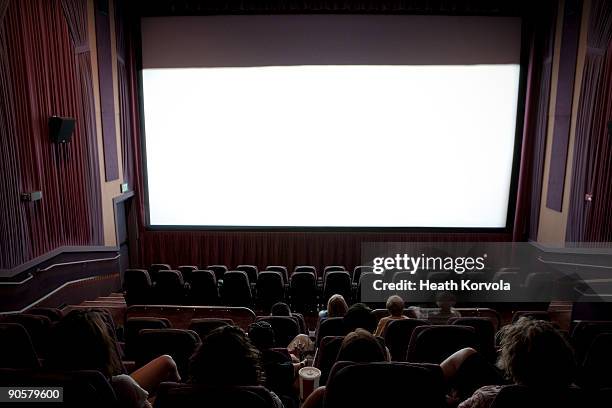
(411,340)
(244,286)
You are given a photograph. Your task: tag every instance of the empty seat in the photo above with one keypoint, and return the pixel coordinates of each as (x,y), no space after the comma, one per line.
(305,268)
(333,268)
(138,287)
(169,288)
(397,336)
(178,343)
(303,292)
(205,325)
(384,384)
(285,328)
(37,327)
(154,268)
(185,271)
(85,388)
(236,290)
(475,276)
(203,288)
(333,326)
(513,278)
(134,325)
(174,395)
(365,281)
(301,322)
(250,270)
(438,277)
(326,355)
(218,270)
(282,270)
(270,289)
(337,282)
(513,396)
(433,344)
(584,334)
(485,333)
(532,314)
(595,370)
(52,313)
(17,350)
(359,270)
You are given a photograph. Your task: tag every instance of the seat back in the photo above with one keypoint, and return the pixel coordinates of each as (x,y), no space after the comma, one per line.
(337,282)
(38,328)
(584,333)
(303,291)
(512,396)
(270,289)
(358,270)
(595,370)
(485,333)
(169,288)
(366,280)
(397,336)
(154,268)
(205,325)
(134,325)
(17,350)
(285,328)
(326,356)
(218,270)
(332,268)
(280,269)
(203,290)
(250,270)
(333,326)
(305,268)
(185,271)
(52,313)
(137,285)
(385,384)
(178,343)
(175,395)
(236,290)
(513,278)
(84,388)
(433,344)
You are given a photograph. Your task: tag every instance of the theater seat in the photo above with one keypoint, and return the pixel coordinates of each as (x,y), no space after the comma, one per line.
(332,268)
(337,282)
(52,313)
(333,326)
(303,292)
(280,269)
(270,289)
(397,336)
(305,268)
(37,327)
(585,332)
(285,328)
(517,396)
(205,325)
(250,270)
(595,370)
(485,333)
(80,388)
(138,287)
(433,344)
(154,268)
(326,355)
(134,325)
(385,384)
(359,270)
(203,288)
(178,343)
(175,395)
(236,290)
(16,350)
(218,270)
(169,288)
(185,271)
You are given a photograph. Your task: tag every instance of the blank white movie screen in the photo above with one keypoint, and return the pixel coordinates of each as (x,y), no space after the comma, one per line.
(352,143)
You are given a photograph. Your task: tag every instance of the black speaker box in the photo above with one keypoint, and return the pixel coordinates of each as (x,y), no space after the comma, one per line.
(60,129)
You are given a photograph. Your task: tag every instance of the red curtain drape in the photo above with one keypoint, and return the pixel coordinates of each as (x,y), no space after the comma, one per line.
(590,214)
(41,76)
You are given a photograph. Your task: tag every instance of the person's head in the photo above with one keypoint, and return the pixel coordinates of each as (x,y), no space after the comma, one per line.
(261,335)
(445,300)
(360,316)
(81,340)
(395,306)
(280,309)
(361,346)
(336,306)
(226,357)
(535,353)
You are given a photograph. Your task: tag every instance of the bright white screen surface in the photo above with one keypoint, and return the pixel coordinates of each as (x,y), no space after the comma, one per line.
(396,142)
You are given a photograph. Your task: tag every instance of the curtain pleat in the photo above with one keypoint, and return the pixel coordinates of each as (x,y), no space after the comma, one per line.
(591,131)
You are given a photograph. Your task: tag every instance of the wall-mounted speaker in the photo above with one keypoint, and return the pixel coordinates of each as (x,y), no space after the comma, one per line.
(60,129)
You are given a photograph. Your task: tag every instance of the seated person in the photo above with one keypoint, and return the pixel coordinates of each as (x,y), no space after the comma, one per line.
(81,341)
(395,306)
(280,309)
(336,307)
(227,357)
(533,353)
(360,316)
(446,302)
